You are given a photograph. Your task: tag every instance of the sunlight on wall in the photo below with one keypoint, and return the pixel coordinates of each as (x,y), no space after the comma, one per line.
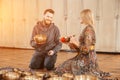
(13,29)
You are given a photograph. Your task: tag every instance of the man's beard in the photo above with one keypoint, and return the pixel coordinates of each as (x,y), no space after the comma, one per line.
(47,22)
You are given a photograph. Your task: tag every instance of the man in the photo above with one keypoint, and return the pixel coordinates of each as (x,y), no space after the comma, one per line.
(45,41)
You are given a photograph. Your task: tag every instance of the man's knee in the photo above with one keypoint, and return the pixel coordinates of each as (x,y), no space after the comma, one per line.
(49,66)
(35,65)
(50,62)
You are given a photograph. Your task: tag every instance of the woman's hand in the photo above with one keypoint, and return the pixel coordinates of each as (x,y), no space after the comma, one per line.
(73,40)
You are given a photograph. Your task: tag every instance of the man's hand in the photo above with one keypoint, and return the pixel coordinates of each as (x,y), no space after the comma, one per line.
(51,52)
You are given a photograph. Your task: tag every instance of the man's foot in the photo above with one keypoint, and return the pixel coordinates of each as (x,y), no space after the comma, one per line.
(46,75)
(53,69)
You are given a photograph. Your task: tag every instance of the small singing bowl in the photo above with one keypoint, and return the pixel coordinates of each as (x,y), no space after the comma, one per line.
(85,77)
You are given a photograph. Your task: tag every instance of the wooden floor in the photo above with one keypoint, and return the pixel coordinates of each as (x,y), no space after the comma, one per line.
(19,58)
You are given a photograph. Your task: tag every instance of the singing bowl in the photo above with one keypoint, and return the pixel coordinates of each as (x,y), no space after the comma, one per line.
(85,77)
(31,77)
(65,76)
(2,72)
(26,73)
(65,39)
(52,74)
(40,39)
(56,78)
(39,74)
(68,76)
(59,78)
(17,70)
(11,76)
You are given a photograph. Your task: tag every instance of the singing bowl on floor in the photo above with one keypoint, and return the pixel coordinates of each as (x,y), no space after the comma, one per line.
(53,75)
(68,76)
(26,73)
(11,76)
(39,74)
(17,70)
(2,72)
(85,77)
(65,76)
(56,78)
(31,77)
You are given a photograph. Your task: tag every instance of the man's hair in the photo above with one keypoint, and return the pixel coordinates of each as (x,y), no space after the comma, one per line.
(49,10)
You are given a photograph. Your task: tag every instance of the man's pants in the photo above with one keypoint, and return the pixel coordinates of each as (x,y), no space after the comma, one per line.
(41,61)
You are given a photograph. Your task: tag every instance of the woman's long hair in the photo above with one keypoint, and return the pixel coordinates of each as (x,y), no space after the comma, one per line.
(87,17)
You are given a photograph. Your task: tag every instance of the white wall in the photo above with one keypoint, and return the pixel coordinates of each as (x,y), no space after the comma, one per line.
(18,17)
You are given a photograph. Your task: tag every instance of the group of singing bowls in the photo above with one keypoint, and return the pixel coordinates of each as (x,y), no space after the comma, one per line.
(17,74)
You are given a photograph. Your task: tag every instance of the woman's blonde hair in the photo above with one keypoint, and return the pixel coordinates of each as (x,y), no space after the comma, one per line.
(87,17)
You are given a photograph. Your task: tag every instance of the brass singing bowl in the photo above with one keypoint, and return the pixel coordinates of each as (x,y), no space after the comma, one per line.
(2,72)
(65,76)
(56,78)
(11,76)
(40,74)
(68,76)
(40,39)
(26,73)
(31,77)
(85,77)
(52,74)
(17,70)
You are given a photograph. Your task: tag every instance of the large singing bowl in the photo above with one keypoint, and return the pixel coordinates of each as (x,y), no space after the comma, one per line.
(11,76)
(65,76)
(68,76)
(40,39)
(85,77)
(31,77)
(56,78)
(39,74)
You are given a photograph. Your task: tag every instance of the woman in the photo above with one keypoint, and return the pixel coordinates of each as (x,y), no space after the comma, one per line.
(85,62)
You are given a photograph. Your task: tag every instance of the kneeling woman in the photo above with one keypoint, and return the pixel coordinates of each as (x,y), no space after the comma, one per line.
(85,62)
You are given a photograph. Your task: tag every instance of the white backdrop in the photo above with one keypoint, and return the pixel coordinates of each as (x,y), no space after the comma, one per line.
(18,17)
